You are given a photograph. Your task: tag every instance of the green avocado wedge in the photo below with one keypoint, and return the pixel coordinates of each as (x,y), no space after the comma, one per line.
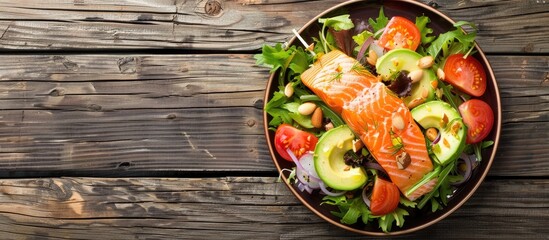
(330,164)
(440,115)
(402,59)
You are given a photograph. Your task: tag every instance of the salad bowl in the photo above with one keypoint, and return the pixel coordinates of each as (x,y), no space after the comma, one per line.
(418,218)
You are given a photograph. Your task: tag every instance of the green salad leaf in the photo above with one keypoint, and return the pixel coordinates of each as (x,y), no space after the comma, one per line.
(455,41)
(349,209)
(304,121)
(273,57)
(421,23)
(380,22)
(397,218)
(338,23)
(360,38)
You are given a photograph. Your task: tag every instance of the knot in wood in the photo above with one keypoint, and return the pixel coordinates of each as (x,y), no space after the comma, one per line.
(57,92)
(95,107)
(213,7)
(250,123)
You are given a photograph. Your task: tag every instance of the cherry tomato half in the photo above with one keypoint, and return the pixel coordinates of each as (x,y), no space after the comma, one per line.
(385,197)
(467,74)
(400,33)
(479,119)
(298,141)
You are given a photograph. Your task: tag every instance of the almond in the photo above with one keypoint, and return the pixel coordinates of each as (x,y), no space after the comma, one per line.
(416,75)
(440,74)
(357,145)
(329,126)
(426,62)
(416,102)
(289,90)
(316,119)
(372,57)
(306,108)
(431,134)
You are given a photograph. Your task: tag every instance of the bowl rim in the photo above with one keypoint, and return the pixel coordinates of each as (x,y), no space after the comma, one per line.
(497,125)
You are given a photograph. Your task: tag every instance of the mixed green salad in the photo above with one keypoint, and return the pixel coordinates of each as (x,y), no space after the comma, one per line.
(427,71)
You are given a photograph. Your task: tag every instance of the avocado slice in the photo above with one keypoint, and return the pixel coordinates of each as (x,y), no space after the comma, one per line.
(402,59)
(329,163)
(442,116)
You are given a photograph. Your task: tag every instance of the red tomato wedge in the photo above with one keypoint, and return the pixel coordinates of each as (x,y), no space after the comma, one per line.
(298,141)
(385,197)
(400,33)
(467,74)
(479,119)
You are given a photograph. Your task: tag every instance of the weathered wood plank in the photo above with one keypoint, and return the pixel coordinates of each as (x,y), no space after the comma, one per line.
(143,113)
(504,26)
(235,208)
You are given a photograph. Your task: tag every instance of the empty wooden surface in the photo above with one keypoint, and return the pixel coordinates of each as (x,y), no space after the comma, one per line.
(143,120)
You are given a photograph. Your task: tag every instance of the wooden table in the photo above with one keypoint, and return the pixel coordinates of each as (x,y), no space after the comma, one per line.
(143,120)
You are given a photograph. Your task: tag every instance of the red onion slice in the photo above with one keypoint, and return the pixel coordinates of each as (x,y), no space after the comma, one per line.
(468,169)
(365,197)
(303,171)
(329,193)
(436,140)
(307,161)
(363,48)
(376,166)
(304,187)
(377,49)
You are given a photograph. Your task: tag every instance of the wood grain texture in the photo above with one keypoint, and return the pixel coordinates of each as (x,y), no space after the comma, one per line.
(132,113)
(144,113)
(234,208)
(504,26)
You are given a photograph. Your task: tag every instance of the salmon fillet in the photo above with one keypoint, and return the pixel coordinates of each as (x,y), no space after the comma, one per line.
(376,115)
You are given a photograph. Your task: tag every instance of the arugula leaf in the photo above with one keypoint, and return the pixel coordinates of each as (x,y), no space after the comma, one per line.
(380,22)
(435,206)
(349,209)
(279,116)
(442,181)
(407,203)
(273,108)
(445,41)
(451,98)
(421,23)
(486,144)
(386,221)
(477,148)
(357,208)
(276,101)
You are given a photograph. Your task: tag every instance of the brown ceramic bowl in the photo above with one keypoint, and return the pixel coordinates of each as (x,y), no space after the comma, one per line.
(418,219)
